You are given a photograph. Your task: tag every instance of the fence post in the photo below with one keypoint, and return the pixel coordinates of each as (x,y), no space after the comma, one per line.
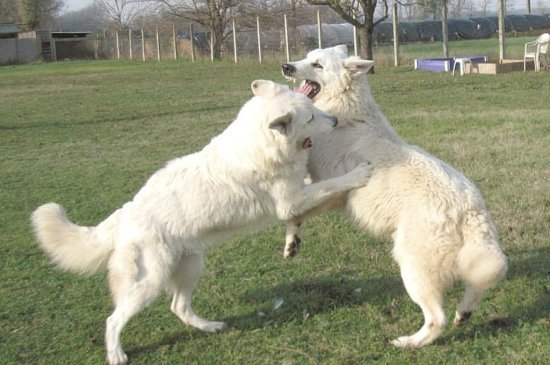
(175,43)
(104,44)
(286,40)
(211,46)
(234,39)
(142,44)
(395,36)
(117,47)
(259,39)
(319,29)
(355,47)
(130,43)
(158,45)
(192,42)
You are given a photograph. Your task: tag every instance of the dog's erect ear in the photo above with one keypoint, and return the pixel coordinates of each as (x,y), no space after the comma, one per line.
(341,49)
(282,124)
(267,88)
(357,66)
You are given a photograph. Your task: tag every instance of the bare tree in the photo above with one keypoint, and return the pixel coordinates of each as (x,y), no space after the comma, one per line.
(359,13)
(123,12)
(213,15)
(38,13)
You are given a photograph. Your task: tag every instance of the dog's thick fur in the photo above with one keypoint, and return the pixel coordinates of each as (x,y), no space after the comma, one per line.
(248,176)
(437,218)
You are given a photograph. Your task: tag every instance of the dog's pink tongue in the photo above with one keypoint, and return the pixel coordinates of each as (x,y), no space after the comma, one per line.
(304,89)
(307,143)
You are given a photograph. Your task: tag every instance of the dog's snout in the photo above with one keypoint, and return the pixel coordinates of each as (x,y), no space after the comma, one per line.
(334,121)
(288,69)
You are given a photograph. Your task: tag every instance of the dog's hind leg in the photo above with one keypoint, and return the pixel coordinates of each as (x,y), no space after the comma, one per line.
(428,295)
(135,282)
(480,265)
(185,279)
(426,272)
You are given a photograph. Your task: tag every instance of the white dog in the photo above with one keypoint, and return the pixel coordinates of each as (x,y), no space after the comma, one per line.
(248,176)
(436,216)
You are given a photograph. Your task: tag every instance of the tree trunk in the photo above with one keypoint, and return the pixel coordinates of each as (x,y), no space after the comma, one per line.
(365,44)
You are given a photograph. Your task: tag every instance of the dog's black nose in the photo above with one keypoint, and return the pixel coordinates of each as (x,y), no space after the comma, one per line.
(288,69)
(334,121)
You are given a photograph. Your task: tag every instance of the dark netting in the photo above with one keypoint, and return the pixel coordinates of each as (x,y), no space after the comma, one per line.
(519,23)
(383,33)
(538,21)
(431,31)
(485,27)
(408,32)
(507,24)
(464,29)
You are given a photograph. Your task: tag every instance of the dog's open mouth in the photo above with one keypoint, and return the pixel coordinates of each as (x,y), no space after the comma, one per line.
(309,88)
(307,143)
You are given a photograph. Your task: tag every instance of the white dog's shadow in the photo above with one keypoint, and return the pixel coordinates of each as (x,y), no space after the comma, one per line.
(302,300)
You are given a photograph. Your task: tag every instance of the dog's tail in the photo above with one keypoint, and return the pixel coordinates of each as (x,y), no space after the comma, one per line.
(84,250)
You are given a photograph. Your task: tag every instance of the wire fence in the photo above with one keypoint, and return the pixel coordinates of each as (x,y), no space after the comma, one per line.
(279,40)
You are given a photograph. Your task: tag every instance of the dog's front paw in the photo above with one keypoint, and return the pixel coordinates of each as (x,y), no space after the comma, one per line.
(292,247)
(360,175)
(117,357)
(213,326)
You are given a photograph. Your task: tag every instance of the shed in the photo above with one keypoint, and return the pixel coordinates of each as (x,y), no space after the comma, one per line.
(68,45)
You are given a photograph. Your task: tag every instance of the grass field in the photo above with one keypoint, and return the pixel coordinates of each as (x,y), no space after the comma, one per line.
(88,134)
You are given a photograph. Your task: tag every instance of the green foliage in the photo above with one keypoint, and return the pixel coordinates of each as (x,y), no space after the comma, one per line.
(88,134)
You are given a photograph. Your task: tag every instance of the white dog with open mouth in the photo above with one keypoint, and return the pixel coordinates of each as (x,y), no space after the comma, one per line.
(437,218)
(248,176)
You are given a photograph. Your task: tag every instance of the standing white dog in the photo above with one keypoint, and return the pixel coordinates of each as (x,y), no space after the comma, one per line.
(249,175)
(436,216)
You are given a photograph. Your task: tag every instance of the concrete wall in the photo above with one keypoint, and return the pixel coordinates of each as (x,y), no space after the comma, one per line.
(15,50)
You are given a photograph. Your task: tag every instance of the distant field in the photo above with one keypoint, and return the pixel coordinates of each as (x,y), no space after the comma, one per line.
(88,134)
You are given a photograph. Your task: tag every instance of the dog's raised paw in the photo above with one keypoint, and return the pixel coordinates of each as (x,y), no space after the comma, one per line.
(291,248)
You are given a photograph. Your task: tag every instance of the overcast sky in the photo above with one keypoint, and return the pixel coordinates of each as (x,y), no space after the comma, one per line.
(72,5)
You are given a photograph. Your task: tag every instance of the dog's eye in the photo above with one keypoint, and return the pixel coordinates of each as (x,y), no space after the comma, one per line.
(316,65)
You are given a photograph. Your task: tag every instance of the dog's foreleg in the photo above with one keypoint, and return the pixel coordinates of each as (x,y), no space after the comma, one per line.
(316,194)
(292,242)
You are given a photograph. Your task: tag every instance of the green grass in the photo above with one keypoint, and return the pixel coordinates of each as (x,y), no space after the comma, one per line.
(88,134)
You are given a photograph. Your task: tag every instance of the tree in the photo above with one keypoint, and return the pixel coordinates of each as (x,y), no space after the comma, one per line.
(123,12)
(38,13)
(359,13)
(214,15)
(8,12)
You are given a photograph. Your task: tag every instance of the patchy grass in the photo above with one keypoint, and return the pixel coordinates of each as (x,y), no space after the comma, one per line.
(88,134)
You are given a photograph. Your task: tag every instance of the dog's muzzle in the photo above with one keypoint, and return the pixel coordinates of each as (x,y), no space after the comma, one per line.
(288,69)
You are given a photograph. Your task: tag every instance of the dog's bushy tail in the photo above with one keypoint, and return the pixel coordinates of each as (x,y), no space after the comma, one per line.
(83,250)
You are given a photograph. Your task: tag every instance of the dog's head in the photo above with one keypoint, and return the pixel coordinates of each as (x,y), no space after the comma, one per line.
(326,73)
(288,115)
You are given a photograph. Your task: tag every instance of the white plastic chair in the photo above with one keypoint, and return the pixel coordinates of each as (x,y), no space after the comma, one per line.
(535,49)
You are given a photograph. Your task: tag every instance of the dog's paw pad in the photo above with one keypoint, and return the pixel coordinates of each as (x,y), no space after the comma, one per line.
(461,318)
(291,248)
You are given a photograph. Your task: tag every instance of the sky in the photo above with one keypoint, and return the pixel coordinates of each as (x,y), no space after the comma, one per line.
(72,5)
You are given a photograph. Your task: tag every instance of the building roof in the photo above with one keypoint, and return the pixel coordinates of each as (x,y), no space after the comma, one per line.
(9,28)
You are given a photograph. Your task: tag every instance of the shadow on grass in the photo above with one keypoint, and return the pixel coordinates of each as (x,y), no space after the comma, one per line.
(306,298)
